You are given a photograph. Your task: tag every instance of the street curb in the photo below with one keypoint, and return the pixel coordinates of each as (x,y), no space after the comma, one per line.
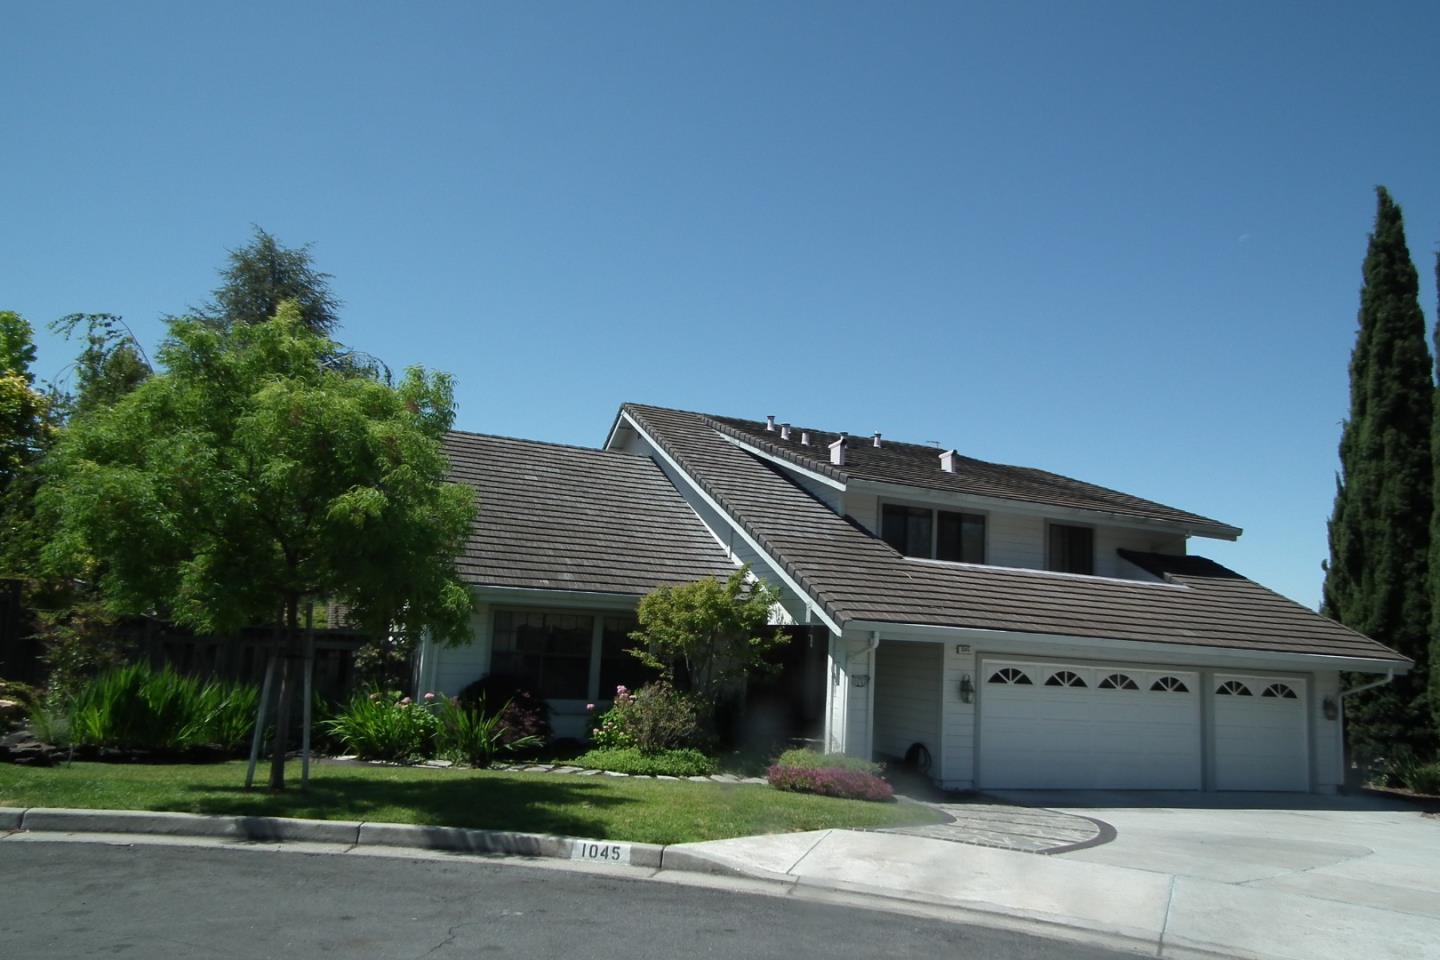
(351,833)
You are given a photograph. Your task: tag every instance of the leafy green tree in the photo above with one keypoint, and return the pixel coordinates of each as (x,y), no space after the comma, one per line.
(246,478)
(25,426)
(111,364)
(262,275)
(717,632)
(1377,577)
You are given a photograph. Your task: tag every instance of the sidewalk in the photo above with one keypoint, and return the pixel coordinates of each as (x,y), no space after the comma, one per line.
(1160,913)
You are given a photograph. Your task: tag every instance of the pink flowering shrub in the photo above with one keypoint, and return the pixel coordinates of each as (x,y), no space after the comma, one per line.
(653,719)
(830,782)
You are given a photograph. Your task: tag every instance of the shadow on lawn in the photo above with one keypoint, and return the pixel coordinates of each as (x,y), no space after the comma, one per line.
(536,804)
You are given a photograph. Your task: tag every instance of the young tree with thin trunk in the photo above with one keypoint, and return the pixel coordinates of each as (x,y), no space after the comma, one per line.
(1377,577)
(245,478)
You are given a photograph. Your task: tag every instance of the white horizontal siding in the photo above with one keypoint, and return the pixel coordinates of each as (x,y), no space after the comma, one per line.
(459,666)
(857,714)
(956,762)
(1015,540)
(864,509)
(907,697)
(1109,539)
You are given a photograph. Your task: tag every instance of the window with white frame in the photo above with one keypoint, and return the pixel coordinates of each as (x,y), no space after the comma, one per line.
(547,649)
(1071,549)
(933,534)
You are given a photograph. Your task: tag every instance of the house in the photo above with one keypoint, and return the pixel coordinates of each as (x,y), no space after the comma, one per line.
(1001,626)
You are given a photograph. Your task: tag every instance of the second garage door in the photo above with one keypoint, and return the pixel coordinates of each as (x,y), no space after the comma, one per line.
(1055,725)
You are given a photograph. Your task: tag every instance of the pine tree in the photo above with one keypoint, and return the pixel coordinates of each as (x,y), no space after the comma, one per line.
(1377,578)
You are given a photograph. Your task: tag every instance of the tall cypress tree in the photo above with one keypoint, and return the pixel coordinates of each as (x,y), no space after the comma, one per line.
(1434,657)
(1377,578)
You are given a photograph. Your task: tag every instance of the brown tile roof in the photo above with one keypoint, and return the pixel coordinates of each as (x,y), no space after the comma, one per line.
(555,517)
(853,575)
(918,465)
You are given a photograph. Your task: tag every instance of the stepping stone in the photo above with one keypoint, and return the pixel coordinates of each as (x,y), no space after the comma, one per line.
(586,773)
(566,770)
(698,779)
(438,763)
(725,778)
(539,768)
(612,773)
(661,776)
(760,780)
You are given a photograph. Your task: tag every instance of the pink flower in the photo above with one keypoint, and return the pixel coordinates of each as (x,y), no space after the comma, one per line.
(429,698)
(375,697)
(590,707)
(406,702)
(622,690)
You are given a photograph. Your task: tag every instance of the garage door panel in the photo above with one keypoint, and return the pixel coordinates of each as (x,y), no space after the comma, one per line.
(1035,735)
(1261,742)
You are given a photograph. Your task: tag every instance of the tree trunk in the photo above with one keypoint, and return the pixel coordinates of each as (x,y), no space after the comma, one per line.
(289,655)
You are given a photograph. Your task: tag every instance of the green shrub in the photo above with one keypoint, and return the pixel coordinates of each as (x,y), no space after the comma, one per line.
(685,762)
(803,759)
(655,718)
(1425,778)
(467,734)
(137,708)
(385,725)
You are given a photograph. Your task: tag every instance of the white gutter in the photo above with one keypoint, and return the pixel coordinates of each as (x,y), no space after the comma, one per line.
(724,514)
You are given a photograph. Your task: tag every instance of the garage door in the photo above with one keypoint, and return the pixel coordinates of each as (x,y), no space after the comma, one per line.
(1260,734)
(1058,725)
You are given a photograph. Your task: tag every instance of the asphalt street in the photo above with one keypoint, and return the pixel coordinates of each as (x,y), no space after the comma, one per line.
(76,900)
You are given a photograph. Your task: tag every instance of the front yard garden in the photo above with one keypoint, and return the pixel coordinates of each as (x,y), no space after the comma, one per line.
(631,809)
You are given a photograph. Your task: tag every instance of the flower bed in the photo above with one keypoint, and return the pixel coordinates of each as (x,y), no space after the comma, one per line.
(831,782)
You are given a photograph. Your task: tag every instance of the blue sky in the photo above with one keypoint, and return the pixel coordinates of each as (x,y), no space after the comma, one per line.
(1121,241)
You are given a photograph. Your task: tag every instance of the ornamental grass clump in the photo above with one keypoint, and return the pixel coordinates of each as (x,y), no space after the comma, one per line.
(135,707)
(386,725)
(467,734)
(831,782)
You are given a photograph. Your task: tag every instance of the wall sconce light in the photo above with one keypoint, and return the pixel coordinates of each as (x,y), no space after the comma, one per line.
(860,680)
(967,689)
(1331,708)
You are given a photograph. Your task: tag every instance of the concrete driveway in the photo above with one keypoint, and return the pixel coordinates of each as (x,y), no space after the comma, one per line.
(1185,875)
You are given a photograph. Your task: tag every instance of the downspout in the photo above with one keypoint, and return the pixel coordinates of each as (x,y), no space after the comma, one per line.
(1344,764)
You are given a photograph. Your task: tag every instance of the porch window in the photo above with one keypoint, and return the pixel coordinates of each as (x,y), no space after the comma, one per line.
(907,529)
(616,666)
(550,651)
(1072,549)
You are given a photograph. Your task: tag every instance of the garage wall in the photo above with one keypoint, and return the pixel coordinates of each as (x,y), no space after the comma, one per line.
(907,697)
(861,691)
(1329,760)
(956,766)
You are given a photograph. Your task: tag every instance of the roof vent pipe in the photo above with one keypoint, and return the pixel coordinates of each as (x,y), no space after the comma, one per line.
(877,438)
(947,461)
(804,438)
(837,451)
(770,422)
(784,431)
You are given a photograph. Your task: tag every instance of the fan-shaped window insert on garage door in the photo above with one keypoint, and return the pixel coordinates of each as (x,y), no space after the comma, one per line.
(1169,684)
(1009,675)
(1075,728)
(1261,742)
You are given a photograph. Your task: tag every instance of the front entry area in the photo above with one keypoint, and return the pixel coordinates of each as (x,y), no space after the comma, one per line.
(1056,725)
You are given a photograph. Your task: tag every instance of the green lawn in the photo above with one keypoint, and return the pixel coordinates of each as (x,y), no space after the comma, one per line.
(635,809)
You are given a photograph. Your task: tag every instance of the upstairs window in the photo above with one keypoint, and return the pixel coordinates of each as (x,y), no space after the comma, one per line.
(933,534)
(908,529)
(1072,549)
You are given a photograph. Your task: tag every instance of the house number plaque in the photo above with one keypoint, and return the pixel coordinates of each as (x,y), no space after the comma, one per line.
(600,852)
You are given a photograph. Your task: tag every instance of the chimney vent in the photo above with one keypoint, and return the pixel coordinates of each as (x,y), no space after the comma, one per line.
(804,438)
(876,438)
(770,422)
(784,431)
(837,451)
(947,461)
